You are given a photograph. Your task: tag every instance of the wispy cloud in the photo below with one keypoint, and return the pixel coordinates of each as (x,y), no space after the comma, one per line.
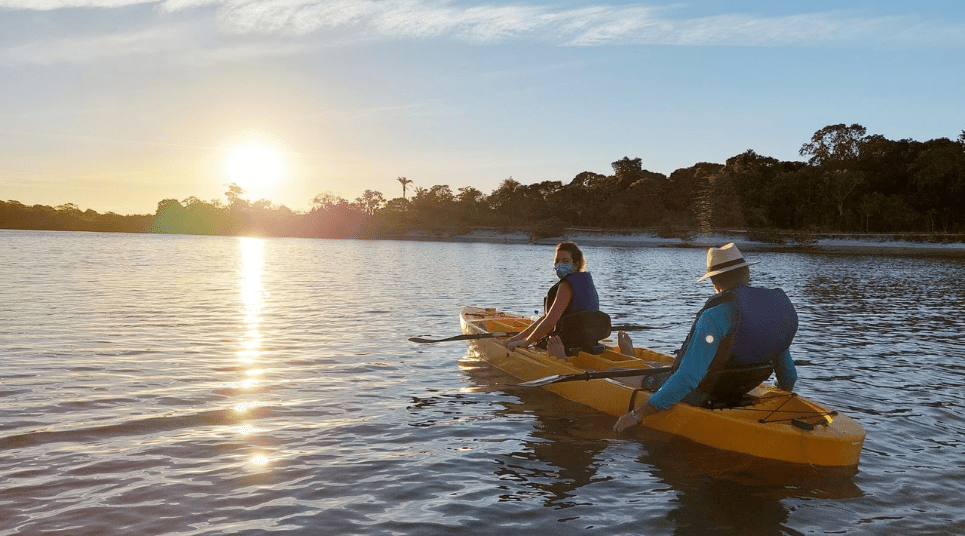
(49,5)
(166,38)
(265,22)
(591,25)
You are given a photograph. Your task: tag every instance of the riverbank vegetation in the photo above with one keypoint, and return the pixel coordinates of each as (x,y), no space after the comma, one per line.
(851,182)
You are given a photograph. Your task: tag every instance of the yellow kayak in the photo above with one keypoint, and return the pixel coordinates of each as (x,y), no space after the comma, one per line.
(772,424)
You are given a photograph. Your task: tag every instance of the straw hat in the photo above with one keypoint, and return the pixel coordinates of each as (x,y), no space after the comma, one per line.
(724,259)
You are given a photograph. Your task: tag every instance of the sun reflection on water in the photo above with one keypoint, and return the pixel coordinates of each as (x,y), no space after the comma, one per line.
(252,295)
(250,352)
(243,407)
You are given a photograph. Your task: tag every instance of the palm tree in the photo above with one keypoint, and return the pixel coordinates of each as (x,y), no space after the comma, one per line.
(404,182)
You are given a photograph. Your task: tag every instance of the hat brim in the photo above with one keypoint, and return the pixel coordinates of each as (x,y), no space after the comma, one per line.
(729,268)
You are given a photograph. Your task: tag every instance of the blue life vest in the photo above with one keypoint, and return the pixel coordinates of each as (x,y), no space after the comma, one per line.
(585,297)
(582,325)
(765,324)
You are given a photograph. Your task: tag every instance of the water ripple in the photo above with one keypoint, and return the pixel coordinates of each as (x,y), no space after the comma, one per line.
(212,385)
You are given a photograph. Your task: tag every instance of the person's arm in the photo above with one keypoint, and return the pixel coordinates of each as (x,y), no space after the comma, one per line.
(712,327)
(542,327)
(634,417)
(529,329)
(785,371)
(710,330)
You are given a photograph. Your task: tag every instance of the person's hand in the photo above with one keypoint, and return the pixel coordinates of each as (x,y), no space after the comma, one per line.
(625,421)
(512,345)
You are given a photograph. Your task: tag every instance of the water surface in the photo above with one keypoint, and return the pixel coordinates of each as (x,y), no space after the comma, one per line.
(156,384)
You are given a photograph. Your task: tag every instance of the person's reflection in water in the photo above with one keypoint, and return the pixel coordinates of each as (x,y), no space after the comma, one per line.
(562,453)
(561,457)
(718,492)
(721,492)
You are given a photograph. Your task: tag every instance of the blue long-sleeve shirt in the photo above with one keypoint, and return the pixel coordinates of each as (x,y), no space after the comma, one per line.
(712,325)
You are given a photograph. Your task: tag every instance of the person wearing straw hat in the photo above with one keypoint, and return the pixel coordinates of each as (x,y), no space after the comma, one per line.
(740,336)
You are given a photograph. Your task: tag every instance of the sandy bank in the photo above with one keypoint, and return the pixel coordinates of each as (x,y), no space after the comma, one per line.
(829,243)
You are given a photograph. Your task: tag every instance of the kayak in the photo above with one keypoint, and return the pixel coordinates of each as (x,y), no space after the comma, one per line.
(768,423)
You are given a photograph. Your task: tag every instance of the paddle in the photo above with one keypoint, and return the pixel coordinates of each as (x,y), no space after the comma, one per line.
(613,373)
(507,334)
(464,337)
(629,328)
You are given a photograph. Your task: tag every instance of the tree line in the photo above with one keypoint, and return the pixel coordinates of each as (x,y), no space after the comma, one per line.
(851,182)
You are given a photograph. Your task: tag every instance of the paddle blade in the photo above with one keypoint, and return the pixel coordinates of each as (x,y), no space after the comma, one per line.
(539,382)
(474,336)
(425,341)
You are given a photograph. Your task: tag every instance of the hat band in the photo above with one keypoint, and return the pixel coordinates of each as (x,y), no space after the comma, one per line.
(721,266)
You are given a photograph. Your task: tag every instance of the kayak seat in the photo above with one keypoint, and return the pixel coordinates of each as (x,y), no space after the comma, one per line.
(726,388)
(595,350)
(583,331)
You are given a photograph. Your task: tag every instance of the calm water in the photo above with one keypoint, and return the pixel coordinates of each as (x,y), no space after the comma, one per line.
(210,385)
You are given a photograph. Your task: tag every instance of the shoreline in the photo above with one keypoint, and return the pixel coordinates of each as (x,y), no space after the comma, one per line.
(839,243)
(829,243)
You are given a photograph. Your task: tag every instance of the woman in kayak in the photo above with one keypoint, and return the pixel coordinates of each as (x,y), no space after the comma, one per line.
(574,293)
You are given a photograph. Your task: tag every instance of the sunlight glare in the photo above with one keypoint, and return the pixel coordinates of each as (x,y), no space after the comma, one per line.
(254,167)
(243,407)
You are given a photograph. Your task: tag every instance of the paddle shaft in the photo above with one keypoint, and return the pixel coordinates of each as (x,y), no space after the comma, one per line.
(463,337)
(474,336)
(594,375)
(629,327)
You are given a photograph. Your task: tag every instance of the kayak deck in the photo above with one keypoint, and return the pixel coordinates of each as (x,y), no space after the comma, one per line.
(772,424)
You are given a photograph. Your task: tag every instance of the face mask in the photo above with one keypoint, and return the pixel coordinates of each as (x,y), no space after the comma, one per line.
(563,269)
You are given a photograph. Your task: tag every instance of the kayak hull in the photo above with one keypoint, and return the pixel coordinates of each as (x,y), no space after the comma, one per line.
(774,425)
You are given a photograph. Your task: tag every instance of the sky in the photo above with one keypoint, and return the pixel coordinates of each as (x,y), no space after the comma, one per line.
(115,105)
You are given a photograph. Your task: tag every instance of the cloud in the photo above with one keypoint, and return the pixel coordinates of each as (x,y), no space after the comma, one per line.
(291,26)
(49,5)
(152,40)
(592,25)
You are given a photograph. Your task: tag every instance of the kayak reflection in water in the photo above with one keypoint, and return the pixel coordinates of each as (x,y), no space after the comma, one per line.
(739,337)
(571,301)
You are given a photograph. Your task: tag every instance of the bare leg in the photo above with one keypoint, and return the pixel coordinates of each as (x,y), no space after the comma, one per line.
(626,348)
(633,381)
(554,347)
(626,345)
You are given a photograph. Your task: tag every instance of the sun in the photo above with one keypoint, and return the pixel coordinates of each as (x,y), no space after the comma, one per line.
(253,167)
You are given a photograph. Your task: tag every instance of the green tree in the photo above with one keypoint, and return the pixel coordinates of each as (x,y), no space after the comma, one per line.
(627,171)
(326,201)
(574,201)
(334,217)
(234,194)
(371,201)
(169,218)
(503,198)
(869,206)
(939,182)
(470,196)
(834,145)
(404,182)
(717,204)
(835,149)
(840,184)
